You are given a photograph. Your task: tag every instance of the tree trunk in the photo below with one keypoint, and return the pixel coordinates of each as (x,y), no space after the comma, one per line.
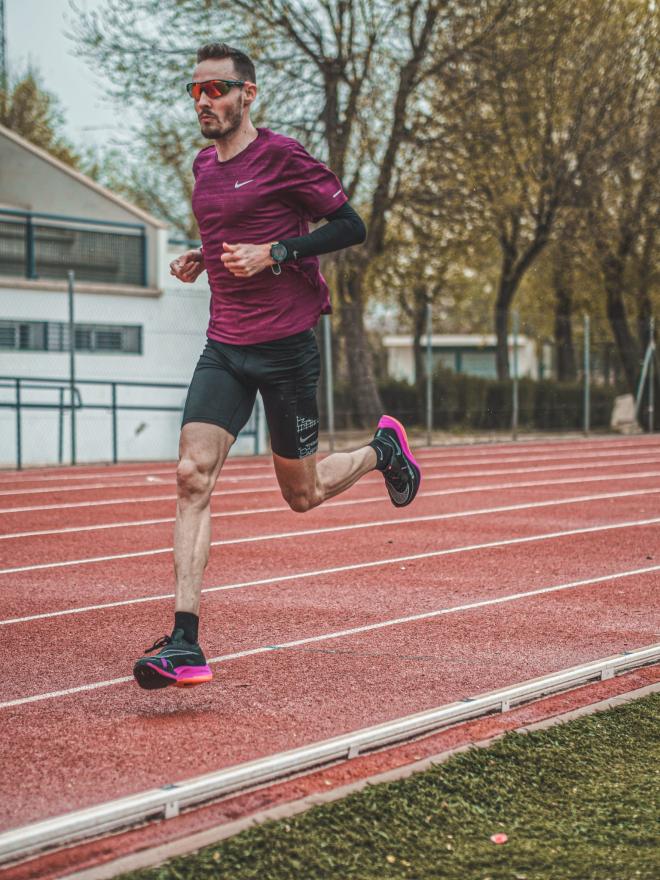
(566,370)
(365,398)
(502,304)
(616,315)
(419,328)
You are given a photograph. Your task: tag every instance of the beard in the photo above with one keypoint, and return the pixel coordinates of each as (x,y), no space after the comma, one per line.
(216,129)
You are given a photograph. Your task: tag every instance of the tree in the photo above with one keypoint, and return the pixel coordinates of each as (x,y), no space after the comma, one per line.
(622,192)
(517,122)
(33,113)
(342,75)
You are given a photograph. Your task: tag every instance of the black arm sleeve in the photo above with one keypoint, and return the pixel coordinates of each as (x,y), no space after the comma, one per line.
(343,229)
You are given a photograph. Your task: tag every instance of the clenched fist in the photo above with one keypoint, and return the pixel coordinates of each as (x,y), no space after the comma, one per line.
(189,266)
(245,260)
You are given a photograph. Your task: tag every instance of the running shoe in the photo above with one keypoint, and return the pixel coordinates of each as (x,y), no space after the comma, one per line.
(178,662)
(402,473)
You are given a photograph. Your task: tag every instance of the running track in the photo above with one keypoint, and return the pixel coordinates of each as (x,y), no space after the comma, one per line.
(515,561)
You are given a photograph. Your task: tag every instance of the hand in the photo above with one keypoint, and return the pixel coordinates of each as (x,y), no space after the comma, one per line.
(245,260)
(189,266)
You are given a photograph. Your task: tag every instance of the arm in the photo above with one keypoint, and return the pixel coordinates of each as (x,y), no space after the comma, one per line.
(343,229)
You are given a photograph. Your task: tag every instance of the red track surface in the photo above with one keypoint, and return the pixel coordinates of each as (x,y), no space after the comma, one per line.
(77,733)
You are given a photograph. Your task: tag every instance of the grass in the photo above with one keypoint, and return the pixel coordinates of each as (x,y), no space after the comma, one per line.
(577,801)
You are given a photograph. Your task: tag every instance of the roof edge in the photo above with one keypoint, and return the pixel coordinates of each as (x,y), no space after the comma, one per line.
(82,178)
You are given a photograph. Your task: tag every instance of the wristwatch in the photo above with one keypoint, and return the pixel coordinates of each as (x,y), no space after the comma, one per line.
(279,253)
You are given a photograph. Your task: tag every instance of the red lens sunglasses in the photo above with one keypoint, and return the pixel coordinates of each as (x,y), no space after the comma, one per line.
(213,88)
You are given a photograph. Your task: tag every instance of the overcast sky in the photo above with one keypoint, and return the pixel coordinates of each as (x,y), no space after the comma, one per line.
(35,31)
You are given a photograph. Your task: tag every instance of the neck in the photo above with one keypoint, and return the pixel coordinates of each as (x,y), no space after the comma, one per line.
(236,142)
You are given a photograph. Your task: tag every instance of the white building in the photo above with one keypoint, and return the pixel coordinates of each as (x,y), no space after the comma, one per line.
(473,354)
(133,321)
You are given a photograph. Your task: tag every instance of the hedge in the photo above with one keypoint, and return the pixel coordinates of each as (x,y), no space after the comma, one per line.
(471,402)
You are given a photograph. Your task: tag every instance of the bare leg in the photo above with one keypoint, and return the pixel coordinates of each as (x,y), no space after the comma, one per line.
(203,449)
(306,482)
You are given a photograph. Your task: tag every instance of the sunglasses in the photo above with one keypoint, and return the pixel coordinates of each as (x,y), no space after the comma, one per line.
(213,88)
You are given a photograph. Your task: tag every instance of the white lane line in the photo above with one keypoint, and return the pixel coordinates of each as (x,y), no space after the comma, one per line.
(326,530)
(458,452)
(26,477)
(283,508)
(430,554)
(357,630)
(440,459)
(224,493)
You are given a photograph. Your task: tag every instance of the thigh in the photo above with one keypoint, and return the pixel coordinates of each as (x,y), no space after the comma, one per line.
(203,447)
(219,394)
(288,384)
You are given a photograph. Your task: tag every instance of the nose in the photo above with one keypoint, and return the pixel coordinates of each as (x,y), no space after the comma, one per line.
(204,101)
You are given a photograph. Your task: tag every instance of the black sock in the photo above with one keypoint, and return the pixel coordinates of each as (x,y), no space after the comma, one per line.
(189,623)
(383,453)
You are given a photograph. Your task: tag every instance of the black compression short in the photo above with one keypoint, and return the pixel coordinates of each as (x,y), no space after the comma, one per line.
(285,371)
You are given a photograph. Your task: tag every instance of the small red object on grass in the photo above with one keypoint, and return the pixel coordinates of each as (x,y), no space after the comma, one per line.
(499,838)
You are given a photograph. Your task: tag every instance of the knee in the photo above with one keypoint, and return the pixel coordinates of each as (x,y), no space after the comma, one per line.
(193,480)
(299,501)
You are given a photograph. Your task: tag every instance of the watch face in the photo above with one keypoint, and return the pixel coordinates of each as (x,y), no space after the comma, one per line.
(279,252)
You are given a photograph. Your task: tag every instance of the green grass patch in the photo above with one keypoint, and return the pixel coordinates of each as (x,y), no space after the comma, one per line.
(577,801)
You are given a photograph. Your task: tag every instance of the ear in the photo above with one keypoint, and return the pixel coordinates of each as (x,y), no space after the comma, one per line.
(250,91)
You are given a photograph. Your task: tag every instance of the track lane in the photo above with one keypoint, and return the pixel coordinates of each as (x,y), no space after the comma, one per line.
(44,589)
(270,702)
(65,547)
(235,463)
(32,516)
(238,619)
(229,479)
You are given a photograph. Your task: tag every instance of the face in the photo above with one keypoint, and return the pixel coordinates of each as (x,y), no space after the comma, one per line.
(221,117)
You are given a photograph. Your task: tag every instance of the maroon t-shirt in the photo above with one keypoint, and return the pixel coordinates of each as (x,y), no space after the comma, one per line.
(271,190)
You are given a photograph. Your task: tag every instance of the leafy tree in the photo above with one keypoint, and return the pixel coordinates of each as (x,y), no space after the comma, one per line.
(28,109)
(519,120)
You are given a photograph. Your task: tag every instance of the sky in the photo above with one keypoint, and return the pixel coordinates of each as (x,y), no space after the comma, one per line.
(35,32)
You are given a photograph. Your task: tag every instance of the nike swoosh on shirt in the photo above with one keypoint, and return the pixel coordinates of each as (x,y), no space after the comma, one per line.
(238,185)
(336,194)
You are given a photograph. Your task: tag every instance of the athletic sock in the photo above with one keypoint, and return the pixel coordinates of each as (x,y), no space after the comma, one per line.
(189,623)
(383,451)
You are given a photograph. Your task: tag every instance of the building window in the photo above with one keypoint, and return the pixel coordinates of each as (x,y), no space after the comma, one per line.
(54,336)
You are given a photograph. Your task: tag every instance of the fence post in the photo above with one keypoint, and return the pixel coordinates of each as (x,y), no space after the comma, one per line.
(72,367)
(587,375)
(30,257)
(19,449)
(114,423)
(329,387)
(60,427)
(515,415)
(429,374)
(652,376)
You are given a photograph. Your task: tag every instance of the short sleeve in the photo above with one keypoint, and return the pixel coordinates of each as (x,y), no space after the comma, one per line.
(308,185)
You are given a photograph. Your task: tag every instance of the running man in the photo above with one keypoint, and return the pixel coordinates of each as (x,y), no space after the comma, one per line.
(255,194)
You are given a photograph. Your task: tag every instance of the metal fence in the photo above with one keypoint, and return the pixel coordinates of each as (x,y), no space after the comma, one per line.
(48,246)
(105,421)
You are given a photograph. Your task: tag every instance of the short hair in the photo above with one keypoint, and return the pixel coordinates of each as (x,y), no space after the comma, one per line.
(242,62)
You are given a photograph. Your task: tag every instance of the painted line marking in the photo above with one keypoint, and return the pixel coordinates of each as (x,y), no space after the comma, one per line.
(430,554)
(327,530)
(442,462)
(484,487)
(256,491)
(397,621)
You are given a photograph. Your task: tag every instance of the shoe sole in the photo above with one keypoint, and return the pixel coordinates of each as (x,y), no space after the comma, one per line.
(400,431)
(150,677)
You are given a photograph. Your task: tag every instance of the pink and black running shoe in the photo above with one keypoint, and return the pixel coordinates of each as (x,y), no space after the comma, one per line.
(397,463)
(178,662)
